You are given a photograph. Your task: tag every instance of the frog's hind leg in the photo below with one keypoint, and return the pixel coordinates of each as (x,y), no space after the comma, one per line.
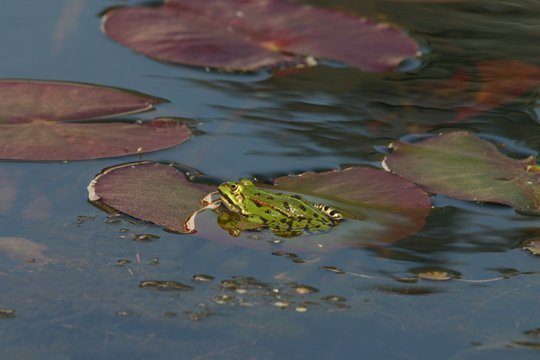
(331,212)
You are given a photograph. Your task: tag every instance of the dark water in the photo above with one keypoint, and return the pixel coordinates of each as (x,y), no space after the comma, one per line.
(74,302)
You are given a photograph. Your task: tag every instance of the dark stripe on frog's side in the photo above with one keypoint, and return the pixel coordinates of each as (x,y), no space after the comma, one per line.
(260,203)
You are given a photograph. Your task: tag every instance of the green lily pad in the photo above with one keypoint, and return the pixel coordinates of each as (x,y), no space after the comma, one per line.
(36,122)
(461,165)
(246,35)
(384,207)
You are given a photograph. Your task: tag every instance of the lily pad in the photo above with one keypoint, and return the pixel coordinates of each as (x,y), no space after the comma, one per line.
(149,191)
(387,208)
(35,122)
(461,165)
(246,35)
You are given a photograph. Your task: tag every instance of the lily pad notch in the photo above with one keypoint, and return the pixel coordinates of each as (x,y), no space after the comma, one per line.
(249,35)
(57,121)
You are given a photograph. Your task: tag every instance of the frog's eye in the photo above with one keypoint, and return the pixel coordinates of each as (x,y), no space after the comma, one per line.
(234,187)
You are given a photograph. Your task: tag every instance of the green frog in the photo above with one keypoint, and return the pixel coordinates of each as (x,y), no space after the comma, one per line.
(285,215)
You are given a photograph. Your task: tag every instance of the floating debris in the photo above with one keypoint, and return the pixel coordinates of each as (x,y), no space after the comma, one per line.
(113,220)
(6,313)
(122,262)
(223,299)
(334,299)
(125,313)
(434,275)
(333,269)
(81,219)
(165,285)
(154,261)
(230,285)
(281,304)
(291,256)
(169,314)
(143,237)
(305,289)
(301,309)
(532,245)
(202,278)
(197,316)
(533,332)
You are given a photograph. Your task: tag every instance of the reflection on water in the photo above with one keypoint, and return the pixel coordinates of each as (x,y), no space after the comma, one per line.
(266,299)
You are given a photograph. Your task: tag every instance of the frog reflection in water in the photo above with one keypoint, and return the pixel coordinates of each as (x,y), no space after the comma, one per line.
(285,215)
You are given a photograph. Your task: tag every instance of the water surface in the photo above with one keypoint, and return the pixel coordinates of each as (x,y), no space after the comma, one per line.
(75,302)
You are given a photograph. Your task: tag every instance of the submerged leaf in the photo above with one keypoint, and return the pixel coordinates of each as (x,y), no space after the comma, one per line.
(246,35)
(149,191)
(35,122)
(461,165)
(22,249)
(500,81)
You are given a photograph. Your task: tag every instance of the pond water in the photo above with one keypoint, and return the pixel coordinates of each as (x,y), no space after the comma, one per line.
(76,300)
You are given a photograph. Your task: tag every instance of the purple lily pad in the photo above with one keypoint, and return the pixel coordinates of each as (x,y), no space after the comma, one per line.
(149,191)
(246,35)
(461,165)
(35,122)
(387,208)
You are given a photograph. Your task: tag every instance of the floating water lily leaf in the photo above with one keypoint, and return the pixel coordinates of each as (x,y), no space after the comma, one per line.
(461,165)
(504,80)
(28,100)
(49,140)
(388,208)
(35,122)
(149,191)
(246,35)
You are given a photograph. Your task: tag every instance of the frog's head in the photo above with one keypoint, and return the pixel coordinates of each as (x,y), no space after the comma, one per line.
(232,194)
